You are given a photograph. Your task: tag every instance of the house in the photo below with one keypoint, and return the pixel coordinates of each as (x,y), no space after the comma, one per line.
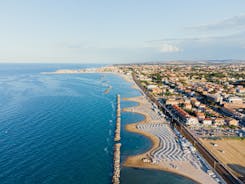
(191,121)
(196,103)
(219,121)
(172,102)
(202,106)
(184,116)
(151,87)
(200,116)
(207,122)
(214,97)
(187,106)
(157,90)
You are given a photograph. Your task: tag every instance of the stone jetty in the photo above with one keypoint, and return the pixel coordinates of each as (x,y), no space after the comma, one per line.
(118,121)
(116,174)
(117,146)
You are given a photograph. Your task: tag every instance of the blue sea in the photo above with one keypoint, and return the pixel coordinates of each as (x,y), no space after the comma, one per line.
(58,129)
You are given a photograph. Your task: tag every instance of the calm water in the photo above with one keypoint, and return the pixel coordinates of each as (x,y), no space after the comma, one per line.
(59,128)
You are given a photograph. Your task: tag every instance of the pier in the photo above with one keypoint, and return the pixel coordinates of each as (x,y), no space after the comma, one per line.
(116,174)
(118,121)
(117,146)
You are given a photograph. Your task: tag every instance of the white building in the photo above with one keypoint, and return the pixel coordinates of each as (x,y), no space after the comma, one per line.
(207,122)
(151,87)
(191,121)
(235,99)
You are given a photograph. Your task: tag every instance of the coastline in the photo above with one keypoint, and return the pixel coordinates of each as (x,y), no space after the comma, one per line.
(135,161)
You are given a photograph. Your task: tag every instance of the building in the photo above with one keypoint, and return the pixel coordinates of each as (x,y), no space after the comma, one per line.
(195,102)
(235,100)
(200,116)
(188,106)
(240,89)
(219,121)
(173,101)
(157,90)
(151,87)
(207,122)
(192,121)
(215,98)
(184,117)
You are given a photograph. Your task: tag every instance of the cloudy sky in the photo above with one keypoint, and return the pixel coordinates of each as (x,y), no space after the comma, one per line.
(112,31)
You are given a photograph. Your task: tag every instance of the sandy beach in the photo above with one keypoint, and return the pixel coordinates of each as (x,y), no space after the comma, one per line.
(181,167)
(184,168)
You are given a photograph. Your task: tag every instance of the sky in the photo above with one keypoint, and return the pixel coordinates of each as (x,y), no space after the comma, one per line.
(126,31)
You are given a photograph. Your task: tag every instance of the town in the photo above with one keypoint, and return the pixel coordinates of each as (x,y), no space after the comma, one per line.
(202,96)
(208,100)
(194,114)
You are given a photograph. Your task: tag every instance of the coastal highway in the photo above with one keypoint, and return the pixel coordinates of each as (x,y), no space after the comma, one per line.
(210,158)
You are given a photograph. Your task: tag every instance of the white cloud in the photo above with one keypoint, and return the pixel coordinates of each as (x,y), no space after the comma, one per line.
(169,48)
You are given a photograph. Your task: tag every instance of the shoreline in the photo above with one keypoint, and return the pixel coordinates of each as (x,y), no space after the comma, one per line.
(135,161)
(132,127)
